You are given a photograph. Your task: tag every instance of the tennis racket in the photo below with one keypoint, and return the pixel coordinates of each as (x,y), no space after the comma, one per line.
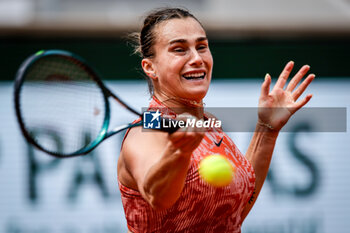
(55,93)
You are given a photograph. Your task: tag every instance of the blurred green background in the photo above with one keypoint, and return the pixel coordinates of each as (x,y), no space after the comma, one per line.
(233,58)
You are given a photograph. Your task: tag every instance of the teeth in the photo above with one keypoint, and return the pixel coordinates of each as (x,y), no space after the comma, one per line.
(194,75)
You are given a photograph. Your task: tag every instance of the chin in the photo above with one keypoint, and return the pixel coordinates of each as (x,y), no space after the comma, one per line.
(197,95)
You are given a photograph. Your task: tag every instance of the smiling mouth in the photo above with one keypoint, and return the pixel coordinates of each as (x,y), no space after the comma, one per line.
(194,76)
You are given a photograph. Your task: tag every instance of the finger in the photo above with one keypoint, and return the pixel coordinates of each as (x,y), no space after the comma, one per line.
(197,141)
(282,79)
(178,135)
(189,141)
(192,139)
(296,79)
(299,91)
(186,134)
(265,87)
(301,103)
(179,141)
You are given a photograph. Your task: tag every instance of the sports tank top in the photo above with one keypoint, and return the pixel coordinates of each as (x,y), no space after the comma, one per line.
(200,207)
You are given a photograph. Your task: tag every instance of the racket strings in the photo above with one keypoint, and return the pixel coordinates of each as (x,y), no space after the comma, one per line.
(59,95)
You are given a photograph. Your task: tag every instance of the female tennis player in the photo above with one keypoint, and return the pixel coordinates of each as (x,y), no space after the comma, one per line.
(158,176)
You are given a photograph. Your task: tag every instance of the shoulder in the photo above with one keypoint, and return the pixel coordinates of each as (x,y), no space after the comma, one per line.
(139,151)
(139,139)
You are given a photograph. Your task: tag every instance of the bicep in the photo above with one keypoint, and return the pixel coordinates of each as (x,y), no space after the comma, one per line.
(141,150)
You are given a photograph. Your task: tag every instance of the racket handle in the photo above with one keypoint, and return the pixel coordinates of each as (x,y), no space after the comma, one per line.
(173,126)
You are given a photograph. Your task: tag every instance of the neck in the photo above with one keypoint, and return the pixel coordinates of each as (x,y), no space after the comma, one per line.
(182,105)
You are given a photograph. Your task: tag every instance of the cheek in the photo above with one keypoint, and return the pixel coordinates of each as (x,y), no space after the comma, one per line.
(174,66)
(171,64)
(209,59)
(179,62)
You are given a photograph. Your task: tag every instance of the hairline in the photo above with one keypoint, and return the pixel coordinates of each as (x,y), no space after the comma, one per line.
(156,28)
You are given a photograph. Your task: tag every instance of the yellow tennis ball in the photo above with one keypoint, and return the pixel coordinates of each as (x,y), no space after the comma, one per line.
(216,170)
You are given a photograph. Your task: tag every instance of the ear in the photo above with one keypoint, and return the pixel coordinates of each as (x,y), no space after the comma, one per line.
(148,67)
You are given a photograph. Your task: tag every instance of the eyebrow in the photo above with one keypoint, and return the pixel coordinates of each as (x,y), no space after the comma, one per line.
(199,39)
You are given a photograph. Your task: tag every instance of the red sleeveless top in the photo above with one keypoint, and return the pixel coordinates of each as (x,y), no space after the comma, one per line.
(200,207)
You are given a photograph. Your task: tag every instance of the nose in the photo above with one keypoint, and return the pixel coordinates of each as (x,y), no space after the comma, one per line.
(196,58)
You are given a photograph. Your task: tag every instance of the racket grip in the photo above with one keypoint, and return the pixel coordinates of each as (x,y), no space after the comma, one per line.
(171,125)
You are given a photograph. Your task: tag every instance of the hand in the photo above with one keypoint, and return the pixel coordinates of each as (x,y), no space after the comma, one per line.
(187,139)
(277,106)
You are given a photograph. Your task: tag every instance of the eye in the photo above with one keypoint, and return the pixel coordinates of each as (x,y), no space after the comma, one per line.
(202,47)
(179,49)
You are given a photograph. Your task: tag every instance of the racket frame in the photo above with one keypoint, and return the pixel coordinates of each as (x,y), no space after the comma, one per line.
(102,135)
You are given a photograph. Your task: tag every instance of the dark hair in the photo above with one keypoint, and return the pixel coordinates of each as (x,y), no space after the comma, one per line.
(145,40)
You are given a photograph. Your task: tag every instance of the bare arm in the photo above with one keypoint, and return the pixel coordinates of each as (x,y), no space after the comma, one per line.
(157,163)
(275,109)
(259,154)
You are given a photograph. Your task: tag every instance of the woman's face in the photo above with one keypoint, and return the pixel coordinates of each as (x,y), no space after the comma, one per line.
(182,63)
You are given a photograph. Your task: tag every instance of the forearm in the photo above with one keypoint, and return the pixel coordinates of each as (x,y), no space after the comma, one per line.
(165,180)
(259,154)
